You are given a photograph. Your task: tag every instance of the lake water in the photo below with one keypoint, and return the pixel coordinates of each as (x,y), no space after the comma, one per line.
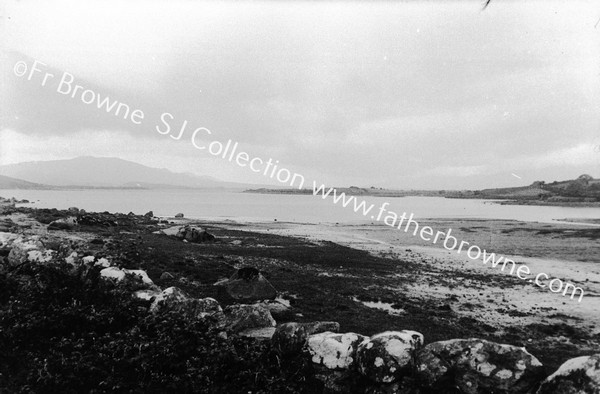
(296,208)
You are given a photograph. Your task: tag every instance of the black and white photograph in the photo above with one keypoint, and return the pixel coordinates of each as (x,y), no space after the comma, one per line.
(300,196)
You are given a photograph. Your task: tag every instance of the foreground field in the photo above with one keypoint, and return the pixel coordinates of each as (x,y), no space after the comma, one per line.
(376,285)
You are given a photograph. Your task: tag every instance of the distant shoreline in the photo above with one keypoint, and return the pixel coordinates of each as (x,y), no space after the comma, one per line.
(451,194)
(572,204)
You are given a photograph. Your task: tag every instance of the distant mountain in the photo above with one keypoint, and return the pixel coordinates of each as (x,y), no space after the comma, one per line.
(108,172)
(13,183)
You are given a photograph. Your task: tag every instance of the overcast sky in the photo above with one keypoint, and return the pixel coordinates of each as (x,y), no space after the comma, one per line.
(415,94)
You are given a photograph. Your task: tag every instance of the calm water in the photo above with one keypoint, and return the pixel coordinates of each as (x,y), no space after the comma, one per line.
(267,207)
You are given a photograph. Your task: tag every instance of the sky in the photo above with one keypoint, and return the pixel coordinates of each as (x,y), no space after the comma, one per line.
(395,94)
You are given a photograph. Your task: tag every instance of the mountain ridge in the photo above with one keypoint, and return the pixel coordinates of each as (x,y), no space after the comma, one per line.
(112,172)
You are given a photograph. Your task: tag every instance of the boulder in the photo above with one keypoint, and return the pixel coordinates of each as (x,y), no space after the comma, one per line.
(147,294)
(40,256)
(290,338)
(577,375)
(120,275)
(73,259)
(172,231)
(333,350)
(149,214)
(179,216)
(113,273)
(7,239)
(388,356)
(63,224)
(142,275)
(194,234)
(169,298)
(88,260)
(277,307)
(248,284)
(241,317)
(203,307)
(73,210)
(478,366)
(102,262)
(174,299)
(25,249)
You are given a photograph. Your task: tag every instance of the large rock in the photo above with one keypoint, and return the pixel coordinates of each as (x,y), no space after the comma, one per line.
(194,234)
(7,239)
(242,317)
(290,338)
(172,231)
(248,284)
(169,298)
(63,224)
(386,357)
(577,375)
(333,350)
(27,249)
(121,275)
(173,298)
(478,366)
(278,307)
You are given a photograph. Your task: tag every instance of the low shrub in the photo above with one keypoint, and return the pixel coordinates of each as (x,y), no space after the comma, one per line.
(73,333)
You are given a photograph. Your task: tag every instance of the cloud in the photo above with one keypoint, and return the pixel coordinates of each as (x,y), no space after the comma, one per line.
(347,92)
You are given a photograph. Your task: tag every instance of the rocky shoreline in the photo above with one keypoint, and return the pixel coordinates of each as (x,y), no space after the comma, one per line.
(296,303)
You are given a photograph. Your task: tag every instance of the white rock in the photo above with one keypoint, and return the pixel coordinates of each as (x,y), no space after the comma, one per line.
(113,273)
(142,274)
(384,356)
(334,350)
(171,295)
(146,294)
(40,256)
(174,230)
(21,248)
(71,258)
(118,274)
(6,239)
(102,263)
(577,375)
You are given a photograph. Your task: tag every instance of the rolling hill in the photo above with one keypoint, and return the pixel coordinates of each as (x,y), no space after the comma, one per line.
(13,183)
(107,172)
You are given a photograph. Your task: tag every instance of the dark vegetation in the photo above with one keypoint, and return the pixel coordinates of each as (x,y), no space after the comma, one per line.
(71,333)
